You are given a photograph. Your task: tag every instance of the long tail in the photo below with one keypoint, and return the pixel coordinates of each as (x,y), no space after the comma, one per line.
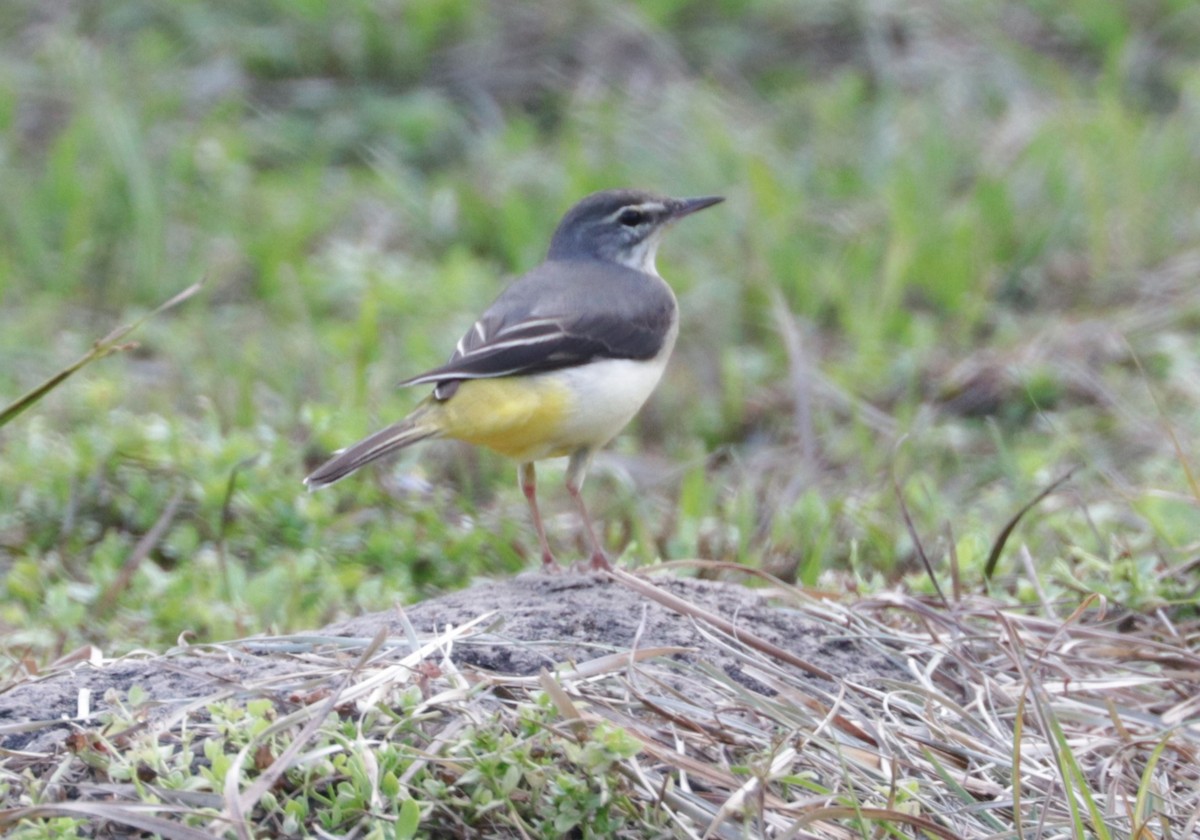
(415,427)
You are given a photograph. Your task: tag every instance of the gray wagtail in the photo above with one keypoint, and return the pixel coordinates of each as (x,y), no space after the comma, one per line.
(562,359)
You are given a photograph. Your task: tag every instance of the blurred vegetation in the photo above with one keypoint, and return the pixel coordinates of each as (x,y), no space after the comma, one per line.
(959,256)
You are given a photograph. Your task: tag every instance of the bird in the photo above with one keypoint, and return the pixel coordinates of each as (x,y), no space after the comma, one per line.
(562,359)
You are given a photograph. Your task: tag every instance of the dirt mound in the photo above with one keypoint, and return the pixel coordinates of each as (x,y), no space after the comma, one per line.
(533,622)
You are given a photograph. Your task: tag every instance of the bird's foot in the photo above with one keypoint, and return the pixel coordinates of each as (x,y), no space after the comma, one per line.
(599,563)
(550,566)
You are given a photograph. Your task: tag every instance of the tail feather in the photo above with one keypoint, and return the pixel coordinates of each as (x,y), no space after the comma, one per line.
(412,429)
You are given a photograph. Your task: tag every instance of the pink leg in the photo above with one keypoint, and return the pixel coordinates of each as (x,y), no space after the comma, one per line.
(528,480)
(576,472)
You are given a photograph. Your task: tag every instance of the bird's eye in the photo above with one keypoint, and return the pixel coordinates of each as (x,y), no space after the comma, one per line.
(631,217)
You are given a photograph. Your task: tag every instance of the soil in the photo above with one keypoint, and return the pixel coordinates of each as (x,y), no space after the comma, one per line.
(541,621)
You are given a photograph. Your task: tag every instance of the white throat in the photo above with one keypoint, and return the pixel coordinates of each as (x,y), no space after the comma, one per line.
(641,257)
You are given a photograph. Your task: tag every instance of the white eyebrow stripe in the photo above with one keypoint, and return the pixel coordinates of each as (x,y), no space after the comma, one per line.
(649,207)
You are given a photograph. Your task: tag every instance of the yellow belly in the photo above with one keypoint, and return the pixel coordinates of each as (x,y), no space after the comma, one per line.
(518,417)
(549,415)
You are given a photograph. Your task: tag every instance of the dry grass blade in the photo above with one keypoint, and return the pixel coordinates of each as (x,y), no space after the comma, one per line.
(106,346)
(562,700)
(1180,452)
(132,814)
(601,665)
(884,815)
(140,551)
(916,538)
(1002,538)
(801,376)
(736,803)
(684,607)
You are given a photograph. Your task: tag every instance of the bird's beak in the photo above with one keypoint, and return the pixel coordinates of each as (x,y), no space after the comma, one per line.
(687,206)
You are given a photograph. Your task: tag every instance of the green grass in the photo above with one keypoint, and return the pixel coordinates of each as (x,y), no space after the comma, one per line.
(989,207)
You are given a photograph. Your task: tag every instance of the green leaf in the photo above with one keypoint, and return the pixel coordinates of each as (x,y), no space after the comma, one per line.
(408,820)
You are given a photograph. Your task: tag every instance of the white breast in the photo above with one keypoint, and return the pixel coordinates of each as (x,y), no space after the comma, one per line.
(608,393)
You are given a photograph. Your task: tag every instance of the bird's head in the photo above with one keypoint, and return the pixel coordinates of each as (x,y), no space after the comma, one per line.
(621,226)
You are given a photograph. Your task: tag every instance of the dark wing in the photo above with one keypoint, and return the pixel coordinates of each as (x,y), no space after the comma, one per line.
(559,315)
